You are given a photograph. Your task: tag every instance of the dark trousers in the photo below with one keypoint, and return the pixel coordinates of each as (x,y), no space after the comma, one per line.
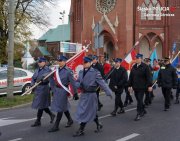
(40,113)
(177,93)
(118,101)
(148,98)
(97,93)
(83,124)
(139,97)
(128,96)
(167,95)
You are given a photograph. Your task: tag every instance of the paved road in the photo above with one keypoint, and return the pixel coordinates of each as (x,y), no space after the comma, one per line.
(157,125)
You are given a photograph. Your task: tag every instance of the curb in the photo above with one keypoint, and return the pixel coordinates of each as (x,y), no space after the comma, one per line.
(14,107)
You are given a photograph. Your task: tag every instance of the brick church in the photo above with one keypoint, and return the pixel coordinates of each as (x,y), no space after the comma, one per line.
(114,26)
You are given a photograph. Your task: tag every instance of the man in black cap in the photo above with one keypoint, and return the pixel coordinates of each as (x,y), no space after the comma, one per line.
(96,65)
(118,79)
(167,79)
(62,78)
(148,95)
(140,80)
(41,99)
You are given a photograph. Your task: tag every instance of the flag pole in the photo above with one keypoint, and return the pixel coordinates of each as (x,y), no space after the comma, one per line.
(175,56)
(123,59)
(47,76)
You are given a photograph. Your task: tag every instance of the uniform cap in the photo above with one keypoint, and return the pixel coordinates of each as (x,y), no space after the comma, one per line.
(94,57)
(41,59)
(139,55)
(62,58)
(118,60)
(87,59)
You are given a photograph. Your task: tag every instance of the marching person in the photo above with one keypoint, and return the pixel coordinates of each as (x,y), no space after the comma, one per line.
(99,67)
(128,99)
(140,80)
(88,81)
(42,98)
(118,79)
(60,104)
(148,95)
(167,79)
(178,84)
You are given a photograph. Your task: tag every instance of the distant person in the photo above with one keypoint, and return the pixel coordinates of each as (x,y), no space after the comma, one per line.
(167,79)
(178,84)
(96,65)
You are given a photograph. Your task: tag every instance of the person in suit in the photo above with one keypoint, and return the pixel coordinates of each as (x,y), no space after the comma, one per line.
(167,79)
(118,79)
(88,81)
(140,80)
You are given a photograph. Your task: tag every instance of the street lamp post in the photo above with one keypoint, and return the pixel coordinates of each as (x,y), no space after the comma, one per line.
(10,72)
(62,18)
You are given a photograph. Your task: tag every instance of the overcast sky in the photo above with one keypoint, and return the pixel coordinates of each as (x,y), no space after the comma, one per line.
(54,15)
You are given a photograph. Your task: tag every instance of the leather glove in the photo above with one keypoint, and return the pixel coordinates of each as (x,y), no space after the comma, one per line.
(75,96)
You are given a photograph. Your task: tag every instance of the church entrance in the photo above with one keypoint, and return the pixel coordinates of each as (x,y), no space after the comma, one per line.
(107,50)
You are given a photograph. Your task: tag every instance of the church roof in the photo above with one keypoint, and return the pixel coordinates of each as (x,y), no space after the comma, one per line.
(58,34)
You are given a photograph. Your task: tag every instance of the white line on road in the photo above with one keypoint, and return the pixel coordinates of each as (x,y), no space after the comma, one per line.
(18,139)
(101,117)
(5,122)
(128,137)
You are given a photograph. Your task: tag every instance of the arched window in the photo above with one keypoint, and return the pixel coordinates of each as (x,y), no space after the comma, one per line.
(150,10)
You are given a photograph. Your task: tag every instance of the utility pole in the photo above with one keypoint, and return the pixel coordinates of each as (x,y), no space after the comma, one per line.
(10,72)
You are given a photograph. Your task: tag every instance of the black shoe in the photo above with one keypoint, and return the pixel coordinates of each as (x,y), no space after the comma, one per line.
(113,113)
(143,113)
(100,126)
(79,133)
(52,118)
(137,118)
(69,123)
(99,107)
(121,111)
(54,129)
(130,102)
(177,101)
(36,123)
(166,109)
(125,104)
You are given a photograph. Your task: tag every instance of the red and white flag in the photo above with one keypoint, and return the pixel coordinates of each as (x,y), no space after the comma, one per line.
(76,64)
(128,62)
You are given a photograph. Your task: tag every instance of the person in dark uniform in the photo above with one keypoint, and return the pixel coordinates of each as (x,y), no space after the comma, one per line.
(99,67)
(167,79)
(42,98)
(128,99)
(140,80)
(88,81)
(178,84)
(62,78)
(148,95)
(118,79)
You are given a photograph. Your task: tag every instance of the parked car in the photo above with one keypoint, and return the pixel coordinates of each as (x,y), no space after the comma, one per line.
(22,80)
